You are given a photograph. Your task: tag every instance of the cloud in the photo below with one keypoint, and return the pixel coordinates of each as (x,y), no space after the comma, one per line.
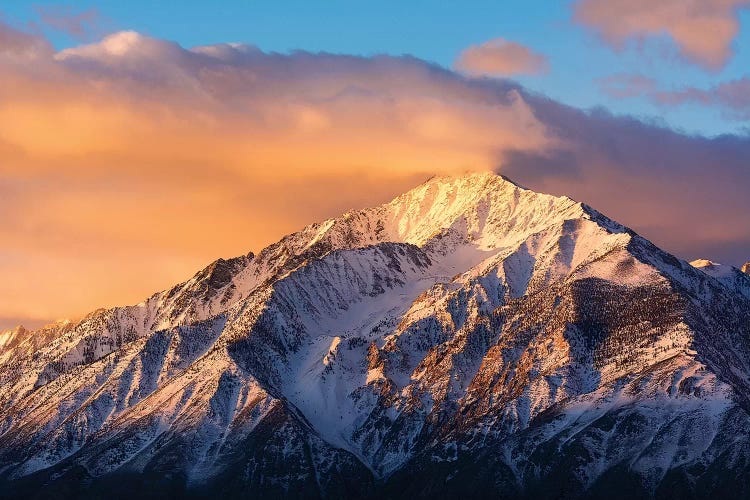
(131,162)
(17,44)
(500,57)
(135,157)
(685,193)
(80,25)
(702,30)
(732,98)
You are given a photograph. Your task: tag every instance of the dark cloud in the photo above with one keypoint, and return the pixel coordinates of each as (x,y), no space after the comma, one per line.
(555,163)
(687,193)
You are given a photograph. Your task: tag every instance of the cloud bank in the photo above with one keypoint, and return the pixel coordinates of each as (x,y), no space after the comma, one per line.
(703,30)
(131,162)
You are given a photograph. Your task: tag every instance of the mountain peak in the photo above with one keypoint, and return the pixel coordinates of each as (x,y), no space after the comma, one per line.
(12,337)
(703,263)
(714,268)
(16,330)
(472,180)
(375,345)
(484,207)
(731,277)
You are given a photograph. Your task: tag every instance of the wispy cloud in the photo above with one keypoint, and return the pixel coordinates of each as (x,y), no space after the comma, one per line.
(702,30)
(732,98)
(500,57)
(81,25)
(18,44)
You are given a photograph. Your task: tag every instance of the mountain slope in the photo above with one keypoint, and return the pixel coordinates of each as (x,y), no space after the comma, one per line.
(730,276)
(470,331)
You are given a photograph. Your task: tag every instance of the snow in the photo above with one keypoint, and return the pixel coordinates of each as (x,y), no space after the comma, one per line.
(712,268)
(729,276)
(369,325)
(9,336)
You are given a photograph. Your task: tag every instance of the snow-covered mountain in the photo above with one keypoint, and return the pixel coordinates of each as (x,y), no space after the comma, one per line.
(730,276)
(469,338)
(11,338)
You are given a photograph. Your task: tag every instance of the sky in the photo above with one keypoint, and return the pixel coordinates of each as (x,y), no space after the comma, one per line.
(579,57)
(142,140)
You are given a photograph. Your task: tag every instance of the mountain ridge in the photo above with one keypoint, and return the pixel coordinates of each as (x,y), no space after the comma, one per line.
(401,344)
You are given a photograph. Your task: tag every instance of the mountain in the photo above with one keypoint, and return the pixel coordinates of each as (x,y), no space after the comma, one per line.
(471,338)
(746,268)
(21,340)
(730,276)
(11,338)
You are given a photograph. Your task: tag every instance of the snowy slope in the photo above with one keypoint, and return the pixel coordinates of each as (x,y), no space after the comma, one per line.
(468,321)
(11,338)
(729,276)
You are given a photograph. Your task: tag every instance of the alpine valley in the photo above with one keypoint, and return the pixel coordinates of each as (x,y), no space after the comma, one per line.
(469,339)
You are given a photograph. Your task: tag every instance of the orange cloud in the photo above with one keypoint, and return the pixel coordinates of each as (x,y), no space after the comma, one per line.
(130,163)
(703,30)
(500,57)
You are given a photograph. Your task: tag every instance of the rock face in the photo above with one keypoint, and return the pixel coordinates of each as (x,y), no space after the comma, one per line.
(469,338)
(746,268)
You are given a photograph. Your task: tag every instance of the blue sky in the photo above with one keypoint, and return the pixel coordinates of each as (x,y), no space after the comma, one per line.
(434,31)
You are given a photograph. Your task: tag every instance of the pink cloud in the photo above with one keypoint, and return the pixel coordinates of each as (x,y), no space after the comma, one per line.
(20,44)
(500,57)
(703,30)
(80,25)
(732,97)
